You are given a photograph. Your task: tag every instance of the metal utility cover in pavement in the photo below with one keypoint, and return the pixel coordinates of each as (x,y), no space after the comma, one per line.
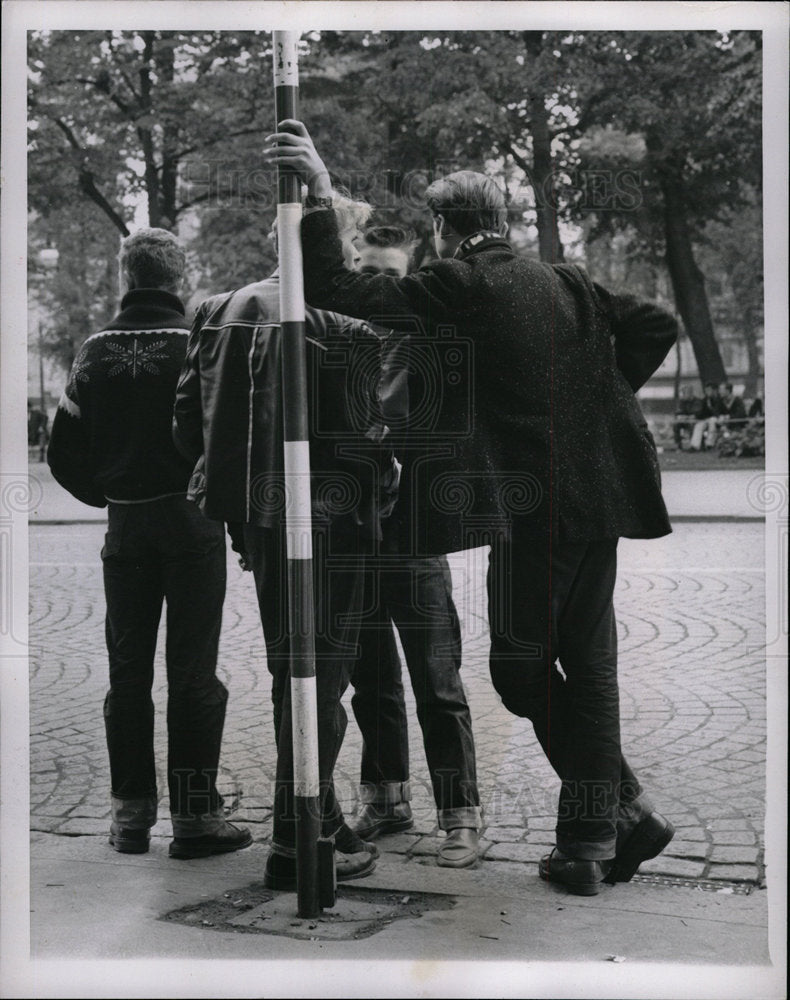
(358,913)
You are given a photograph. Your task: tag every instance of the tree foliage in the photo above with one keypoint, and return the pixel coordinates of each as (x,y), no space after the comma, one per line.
(636,142)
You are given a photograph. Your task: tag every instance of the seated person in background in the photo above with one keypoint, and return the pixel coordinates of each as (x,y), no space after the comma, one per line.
(688,409)
(732,409)
(752,439)
(707,418)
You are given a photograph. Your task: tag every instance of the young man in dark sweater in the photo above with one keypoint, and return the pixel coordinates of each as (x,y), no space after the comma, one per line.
(112,447)
(412,589)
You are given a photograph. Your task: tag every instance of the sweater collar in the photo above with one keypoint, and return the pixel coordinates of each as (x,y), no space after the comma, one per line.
(150,309)
(152,298)
(483,239)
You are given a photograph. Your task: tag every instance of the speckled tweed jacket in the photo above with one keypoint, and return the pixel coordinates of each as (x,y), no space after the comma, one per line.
(533,418)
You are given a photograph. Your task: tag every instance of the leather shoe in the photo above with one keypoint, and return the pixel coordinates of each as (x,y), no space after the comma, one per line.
(649,838)
(128,841)
(581,877)
(349,842)
(459,849)
(280,871)
(378,818)
(228,838)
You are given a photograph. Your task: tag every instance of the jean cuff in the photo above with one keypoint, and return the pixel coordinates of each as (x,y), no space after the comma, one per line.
(469,817)
(283,849)
(587,850)
(134,814)
(197,826)
(385,793)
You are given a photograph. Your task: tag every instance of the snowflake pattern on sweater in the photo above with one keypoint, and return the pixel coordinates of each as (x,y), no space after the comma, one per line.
(135,359)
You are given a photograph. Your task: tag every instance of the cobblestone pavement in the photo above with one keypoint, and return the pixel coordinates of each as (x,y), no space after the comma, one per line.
(692,679)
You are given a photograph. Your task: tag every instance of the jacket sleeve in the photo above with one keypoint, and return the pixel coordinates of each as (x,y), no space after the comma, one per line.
(69,452)
(187,410)
(643,334)
(427,296)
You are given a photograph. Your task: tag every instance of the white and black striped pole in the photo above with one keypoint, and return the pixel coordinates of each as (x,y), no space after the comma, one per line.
(298,524)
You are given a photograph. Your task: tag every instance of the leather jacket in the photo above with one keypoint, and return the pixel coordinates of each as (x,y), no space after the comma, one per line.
(229,404)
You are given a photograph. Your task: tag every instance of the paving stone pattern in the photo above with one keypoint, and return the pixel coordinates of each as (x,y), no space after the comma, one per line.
(692,680)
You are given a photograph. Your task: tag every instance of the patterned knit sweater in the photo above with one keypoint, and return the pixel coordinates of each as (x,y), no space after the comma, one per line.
(111,437)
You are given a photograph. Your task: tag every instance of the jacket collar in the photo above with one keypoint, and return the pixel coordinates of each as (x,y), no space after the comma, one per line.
(483,239)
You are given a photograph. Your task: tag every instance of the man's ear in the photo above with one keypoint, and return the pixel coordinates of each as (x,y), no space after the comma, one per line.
(441,231)
(503,228)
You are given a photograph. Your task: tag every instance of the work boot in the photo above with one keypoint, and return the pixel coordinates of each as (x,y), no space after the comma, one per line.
(459,849)
(223,839)
(647,840)
(378,818)
(129,841)
(280,872)
(347,841)
(577,875)
(131,822)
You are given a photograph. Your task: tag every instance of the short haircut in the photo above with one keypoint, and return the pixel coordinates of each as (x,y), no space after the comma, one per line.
(467,201)
(350,214)
(712,385)
(390,236)
(154,258)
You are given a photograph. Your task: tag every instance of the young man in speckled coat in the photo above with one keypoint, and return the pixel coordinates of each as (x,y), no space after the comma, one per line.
(557,464)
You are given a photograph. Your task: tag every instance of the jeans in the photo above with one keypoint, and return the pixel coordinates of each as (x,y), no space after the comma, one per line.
(338,584)
(415,594)
(554,603)
(154,552)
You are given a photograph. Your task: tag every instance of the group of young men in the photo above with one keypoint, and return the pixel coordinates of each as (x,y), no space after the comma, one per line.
(482,399)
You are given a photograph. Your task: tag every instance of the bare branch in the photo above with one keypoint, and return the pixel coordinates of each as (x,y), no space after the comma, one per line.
(86,179)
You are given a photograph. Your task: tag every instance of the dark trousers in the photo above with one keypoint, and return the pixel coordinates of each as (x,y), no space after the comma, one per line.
(550,604)
(338,585)
(415,594)
(164,550)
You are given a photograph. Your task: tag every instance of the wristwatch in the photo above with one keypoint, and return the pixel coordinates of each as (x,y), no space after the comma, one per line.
(312,202)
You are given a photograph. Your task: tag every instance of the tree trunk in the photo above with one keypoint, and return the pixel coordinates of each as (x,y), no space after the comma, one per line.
(542,162)
(145,134)
(165,62)
(688,282)
(755,374)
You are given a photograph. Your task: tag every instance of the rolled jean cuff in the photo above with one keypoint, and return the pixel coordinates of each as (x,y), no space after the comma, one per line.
(197,826)
(134,814)
(469,817)
(283,849)
(385,793)
(587,850)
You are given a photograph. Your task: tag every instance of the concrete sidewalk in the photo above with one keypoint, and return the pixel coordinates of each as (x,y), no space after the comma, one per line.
(693,924)
(711,494)
(92,905)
